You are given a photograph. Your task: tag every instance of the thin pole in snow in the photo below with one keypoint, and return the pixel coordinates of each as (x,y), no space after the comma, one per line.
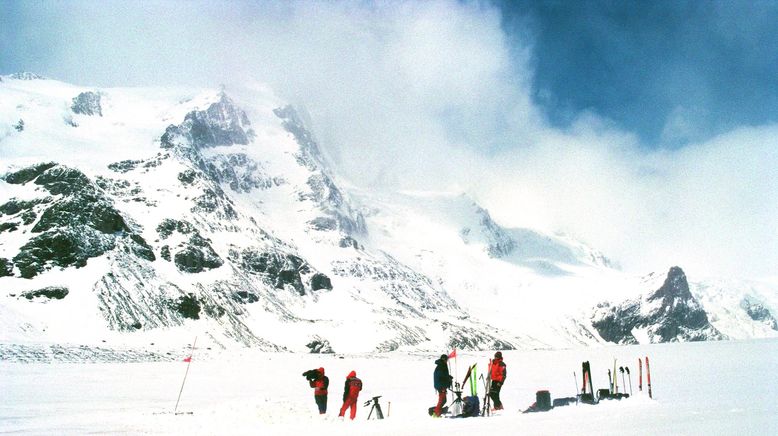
(575,382)
(188,362)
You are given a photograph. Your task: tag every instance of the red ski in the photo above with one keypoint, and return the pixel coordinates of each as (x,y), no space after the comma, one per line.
(648,378)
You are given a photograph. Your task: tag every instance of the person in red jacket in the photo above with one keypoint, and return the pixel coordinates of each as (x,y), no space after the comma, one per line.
(498,373)
(320,385)
(350,394)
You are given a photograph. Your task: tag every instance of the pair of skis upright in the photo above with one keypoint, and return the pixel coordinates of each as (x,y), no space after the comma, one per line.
(487,407)
(472,376)
(648,376)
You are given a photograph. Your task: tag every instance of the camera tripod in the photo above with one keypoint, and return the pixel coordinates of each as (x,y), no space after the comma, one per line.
(456,405)
(377,407)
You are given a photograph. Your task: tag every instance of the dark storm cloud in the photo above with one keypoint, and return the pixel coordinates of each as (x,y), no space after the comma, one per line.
(671,70)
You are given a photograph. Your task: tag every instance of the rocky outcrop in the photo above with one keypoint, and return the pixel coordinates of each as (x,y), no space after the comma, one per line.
(6,267)
(77,221)
(87,103)
(282,270)
(195,253)
(758,312)
(223,123)
(498,243)
(318,345)
(50,293)
(668,314)
(26,75)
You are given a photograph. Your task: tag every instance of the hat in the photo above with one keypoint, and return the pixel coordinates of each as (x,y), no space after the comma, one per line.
(498,355)
(444,357)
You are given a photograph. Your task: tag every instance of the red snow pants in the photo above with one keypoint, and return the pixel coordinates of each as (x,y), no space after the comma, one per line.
(441,401)
(351,401)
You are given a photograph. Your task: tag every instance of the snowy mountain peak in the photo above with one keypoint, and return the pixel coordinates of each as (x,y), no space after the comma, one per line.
(222,123)
(668,314)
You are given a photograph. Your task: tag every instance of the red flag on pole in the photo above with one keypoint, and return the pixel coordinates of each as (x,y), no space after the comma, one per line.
(188,359)
(453,354)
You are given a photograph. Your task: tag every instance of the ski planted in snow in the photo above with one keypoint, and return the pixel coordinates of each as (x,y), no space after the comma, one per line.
(648,378)
(640,374)
(487,408)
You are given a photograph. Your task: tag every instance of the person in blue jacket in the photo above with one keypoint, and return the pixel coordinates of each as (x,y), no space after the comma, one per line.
(442,380)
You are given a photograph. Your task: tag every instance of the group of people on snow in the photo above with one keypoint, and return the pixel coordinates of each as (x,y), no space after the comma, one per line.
(320,382)
(442,381)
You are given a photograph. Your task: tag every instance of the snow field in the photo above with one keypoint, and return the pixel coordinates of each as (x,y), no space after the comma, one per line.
(699,388)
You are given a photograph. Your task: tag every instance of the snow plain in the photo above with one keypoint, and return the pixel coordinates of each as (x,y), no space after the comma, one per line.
(709,388)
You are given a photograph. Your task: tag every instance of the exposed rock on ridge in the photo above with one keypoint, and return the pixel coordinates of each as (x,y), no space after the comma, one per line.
(669,314)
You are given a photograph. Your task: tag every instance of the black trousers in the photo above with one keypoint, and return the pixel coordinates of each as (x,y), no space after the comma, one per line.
(494,394)
(321,401)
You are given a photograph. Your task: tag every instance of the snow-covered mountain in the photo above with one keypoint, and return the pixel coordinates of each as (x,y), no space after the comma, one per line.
(138,216)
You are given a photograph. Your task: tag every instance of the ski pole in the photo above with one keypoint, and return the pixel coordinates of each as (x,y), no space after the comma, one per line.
(626,368)
(575,382)
(188,362)
(623,382)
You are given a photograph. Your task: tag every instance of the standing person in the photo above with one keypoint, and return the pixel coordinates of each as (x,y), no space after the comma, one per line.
(498,373)
(442,381)
(320,385)
(350,394)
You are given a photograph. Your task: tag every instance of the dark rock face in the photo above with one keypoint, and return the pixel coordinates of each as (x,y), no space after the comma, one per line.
(222,123)
(165,252)
(196,254)
(87,103)
(187,177)
(14,206)
(758,312)
(51,293)
(6,267)
(320,281)
(669,314)
(188,306)
(19,126)
(319,346)
(9,227)
(61,248)
(26,174)
(124,166)
(77,223)
(245,297)
(283,269)
(195,259)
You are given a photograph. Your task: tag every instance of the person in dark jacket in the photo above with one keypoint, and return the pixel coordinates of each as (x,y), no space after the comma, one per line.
(442,381)
(498,373)
(350,394)
(320,385)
